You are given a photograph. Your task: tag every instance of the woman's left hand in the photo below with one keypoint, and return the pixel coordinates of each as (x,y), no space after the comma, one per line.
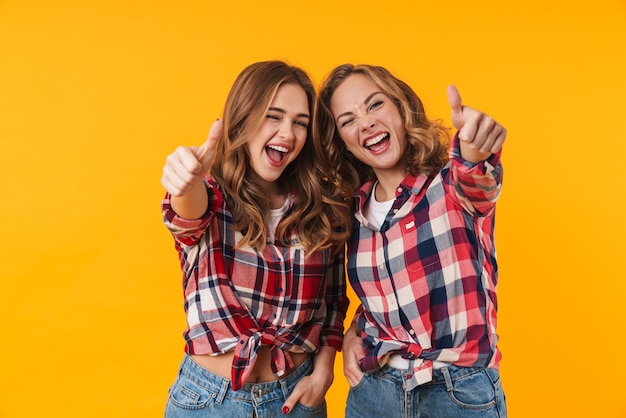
(479,134)
(311,389)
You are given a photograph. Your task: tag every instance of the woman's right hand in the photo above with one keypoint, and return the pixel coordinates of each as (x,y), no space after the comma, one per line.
(353,351)
(186,166)
(183,173)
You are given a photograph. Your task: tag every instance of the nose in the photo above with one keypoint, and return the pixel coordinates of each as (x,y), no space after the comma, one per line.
(286,131)
(366,122)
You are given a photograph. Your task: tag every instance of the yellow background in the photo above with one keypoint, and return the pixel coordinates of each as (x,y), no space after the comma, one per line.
(94,95)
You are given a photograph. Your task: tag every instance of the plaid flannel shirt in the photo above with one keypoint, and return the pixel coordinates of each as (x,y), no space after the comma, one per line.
(240,298)
(427,279)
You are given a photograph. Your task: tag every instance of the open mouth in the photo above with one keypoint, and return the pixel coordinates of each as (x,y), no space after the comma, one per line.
(276,153)
(378,142)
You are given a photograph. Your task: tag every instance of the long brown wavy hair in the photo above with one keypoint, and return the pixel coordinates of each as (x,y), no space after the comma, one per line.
(317,218)
(428,140)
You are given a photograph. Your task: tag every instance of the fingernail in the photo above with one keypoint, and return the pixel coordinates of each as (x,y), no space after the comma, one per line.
(285,410)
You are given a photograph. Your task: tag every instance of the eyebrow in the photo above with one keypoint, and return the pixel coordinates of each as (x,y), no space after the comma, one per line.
(367,99)
(278,109)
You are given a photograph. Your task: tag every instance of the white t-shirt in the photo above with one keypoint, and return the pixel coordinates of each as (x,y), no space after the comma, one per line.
(274,218)
(376,211)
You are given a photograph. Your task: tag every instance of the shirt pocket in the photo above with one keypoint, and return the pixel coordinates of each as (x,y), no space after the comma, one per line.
(419,246)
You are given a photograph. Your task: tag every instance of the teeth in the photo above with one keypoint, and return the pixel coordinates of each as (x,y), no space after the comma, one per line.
(375,140)
(278,148)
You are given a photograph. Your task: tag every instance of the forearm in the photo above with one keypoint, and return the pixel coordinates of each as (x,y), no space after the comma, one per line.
(324,366)
(471,154)
(193,204)
(354,330)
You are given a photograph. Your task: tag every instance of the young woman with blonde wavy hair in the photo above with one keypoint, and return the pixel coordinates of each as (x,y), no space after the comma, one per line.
(421,257)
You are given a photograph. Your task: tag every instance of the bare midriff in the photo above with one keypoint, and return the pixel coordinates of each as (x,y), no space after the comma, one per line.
(262,372)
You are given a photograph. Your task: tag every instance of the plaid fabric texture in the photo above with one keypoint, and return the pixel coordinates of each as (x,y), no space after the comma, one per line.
(240,298)
(427,279)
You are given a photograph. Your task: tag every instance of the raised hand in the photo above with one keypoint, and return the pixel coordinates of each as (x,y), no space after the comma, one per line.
(479,133)
(183,172)
(186,166)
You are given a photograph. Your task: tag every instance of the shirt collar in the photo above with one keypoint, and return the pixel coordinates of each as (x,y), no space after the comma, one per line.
(410,185)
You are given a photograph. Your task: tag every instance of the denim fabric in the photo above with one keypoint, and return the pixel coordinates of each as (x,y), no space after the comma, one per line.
(454,392)
(200,393)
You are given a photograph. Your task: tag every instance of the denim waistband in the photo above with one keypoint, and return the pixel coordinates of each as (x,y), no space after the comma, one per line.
(439,374)
(204,377)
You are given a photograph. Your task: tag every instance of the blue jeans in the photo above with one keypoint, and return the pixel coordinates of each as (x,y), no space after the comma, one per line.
(454,392)
(199,393)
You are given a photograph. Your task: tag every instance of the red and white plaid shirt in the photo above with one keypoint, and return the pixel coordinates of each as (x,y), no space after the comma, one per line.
(427,279)
(240,298)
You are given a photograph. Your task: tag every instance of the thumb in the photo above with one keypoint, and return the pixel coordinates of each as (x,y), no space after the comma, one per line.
(206,151)
(454,99)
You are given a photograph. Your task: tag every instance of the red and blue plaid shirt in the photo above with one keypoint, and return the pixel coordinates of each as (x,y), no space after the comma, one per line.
(427,279)
(240,298)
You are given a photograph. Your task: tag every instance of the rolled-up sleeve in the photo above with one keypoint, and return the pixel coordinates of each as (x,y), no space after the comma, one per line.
(477,185)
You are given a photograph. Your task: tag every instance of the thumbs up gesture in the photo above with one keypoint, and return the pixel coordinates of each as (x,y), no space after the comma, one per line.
(479,135)
(186,166)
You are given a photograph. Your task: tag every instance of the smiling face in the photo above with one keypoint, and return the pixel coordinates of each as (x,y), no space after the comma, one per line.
(282,134)
(370,125)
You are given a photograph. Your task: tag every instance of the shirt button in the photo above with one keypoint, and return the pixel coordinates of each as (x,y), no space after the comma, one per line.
(395,211)
(399,190)
(412,332)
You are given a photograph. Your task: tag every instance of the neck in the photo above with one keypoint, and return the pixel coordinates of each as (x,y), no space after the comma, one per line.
(277,200)
(276,196)
(388,182)
(275,192)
